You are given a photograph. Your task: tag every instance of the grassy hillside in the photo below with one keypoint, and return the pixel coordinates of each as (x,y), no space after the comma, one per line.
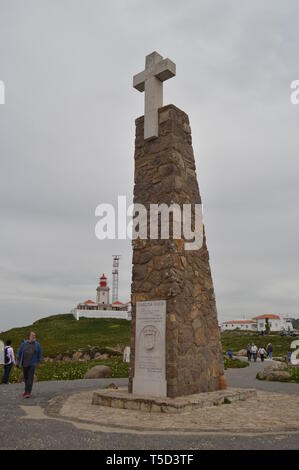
(63,334)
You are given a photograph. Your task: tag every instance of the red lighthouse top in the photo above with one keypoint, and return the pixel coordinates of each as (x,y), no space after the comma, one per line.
(103,281)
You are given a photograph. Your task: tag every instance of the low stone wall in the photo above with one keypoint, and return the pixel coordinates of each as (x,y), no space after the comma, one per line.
(124,400)
(86,355)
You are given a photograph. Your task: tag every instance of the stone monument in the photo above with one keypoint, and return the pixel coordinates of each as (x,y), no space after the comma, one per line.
(175,340)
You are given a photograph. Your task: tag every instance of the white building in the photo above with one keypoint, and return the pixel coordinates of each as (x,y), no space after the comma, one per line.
(275,323)
(245,325)
(102,307)
(259,324)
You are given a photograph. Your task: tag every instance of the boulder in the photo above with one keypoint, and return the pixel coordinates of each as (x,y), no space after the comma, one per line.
(242,352)
(100,356)
(270,374)
(66,358)
(98,372)
(85,357)
(77,355)
(279,375)
(48,359)
(279,358)
(275,365)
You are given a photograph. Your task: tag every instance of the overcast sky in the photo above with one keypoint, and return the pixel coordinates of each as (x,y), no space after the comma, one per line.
(67,143)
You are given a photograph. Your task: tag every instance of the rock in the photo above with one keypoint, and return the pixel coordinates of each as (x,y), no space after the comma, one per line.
(100,356)
(271,374)
(85,357)
(66,358)
(113,386)
(77,355)
(279,375)
(48,359)
(275,365)
(279,359)
(242,352)
(98,372)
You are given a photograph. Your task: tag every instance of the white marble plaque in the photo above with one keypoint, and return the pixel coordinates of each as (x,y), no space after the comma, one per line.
(150,349)
(1,352)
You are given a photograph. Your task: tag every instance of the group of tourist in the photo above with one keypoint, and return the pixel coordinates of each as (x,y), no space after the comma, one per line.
(29,356)
(253,352)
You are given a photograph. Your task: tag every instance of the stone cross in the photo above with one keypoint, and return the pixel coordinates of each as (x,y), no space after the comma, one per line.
(157,70)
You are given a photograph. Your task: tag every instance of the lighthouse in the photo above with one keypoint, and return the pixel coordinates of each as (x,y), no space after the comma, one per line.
(103,291)
(102,308)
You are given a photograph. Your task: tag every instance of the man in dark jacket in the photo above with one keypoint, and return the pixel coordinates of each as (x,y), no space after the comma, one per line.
(29,357)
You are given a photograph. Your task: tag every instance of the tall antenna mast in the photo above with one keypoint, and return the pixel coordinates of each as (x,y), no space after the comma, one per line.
(116,259)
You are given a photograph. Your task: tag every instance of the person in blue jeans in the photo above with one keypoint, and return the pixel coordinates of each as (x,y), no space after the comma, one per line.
(254,351)
(29,357)
(269,350)
(229,354)
(9,361)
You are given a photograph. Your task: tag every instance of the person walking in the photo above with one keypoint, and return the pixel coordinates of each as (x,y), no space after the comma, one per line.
(262,352)
(248,350)
(254,351)
(29,357)
(269,350)
(229,354)
(9,361)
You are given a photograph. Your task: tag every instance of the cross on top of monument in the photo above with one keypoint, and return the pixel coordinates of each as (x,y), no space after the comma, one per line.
(156,71)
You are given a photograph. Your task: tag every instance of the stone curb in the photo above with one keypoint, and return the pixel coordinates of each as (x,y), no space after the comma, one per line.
(124,400)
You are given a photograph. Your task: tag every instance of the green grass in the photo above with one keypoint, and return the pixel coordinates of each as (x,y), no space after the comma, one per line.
(294,371)
(236,340)
(60,370)
(63,334)
(234,363)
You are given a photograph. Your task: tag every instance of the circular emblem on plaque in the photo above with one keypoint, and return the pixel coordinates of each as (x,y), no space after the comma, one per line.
(149,337)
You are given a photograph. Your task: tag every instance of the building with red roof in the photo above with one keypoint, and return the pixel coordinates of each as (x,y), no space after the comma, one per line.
(102,308)
(259,323)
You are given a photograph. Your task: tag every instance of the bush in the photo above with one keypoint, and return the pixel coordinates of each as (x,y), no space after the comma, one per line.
(234,363)
(60,370)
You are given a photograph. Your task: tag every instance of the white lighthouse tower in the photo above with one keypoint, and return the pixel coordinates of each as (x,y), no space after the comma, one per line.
(103,291)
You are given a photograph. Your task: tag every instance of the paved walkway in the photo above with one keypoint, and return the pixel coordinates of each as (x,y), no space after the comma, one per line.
(246,378)
(25,426)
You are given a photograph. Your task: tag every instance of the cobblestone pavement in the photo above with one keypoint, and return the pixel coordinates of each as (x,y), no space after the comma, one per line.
(25,426)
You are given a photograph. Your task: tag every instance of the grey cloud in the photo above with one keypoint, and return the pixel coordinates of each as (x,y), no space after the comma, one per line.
(67,143)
